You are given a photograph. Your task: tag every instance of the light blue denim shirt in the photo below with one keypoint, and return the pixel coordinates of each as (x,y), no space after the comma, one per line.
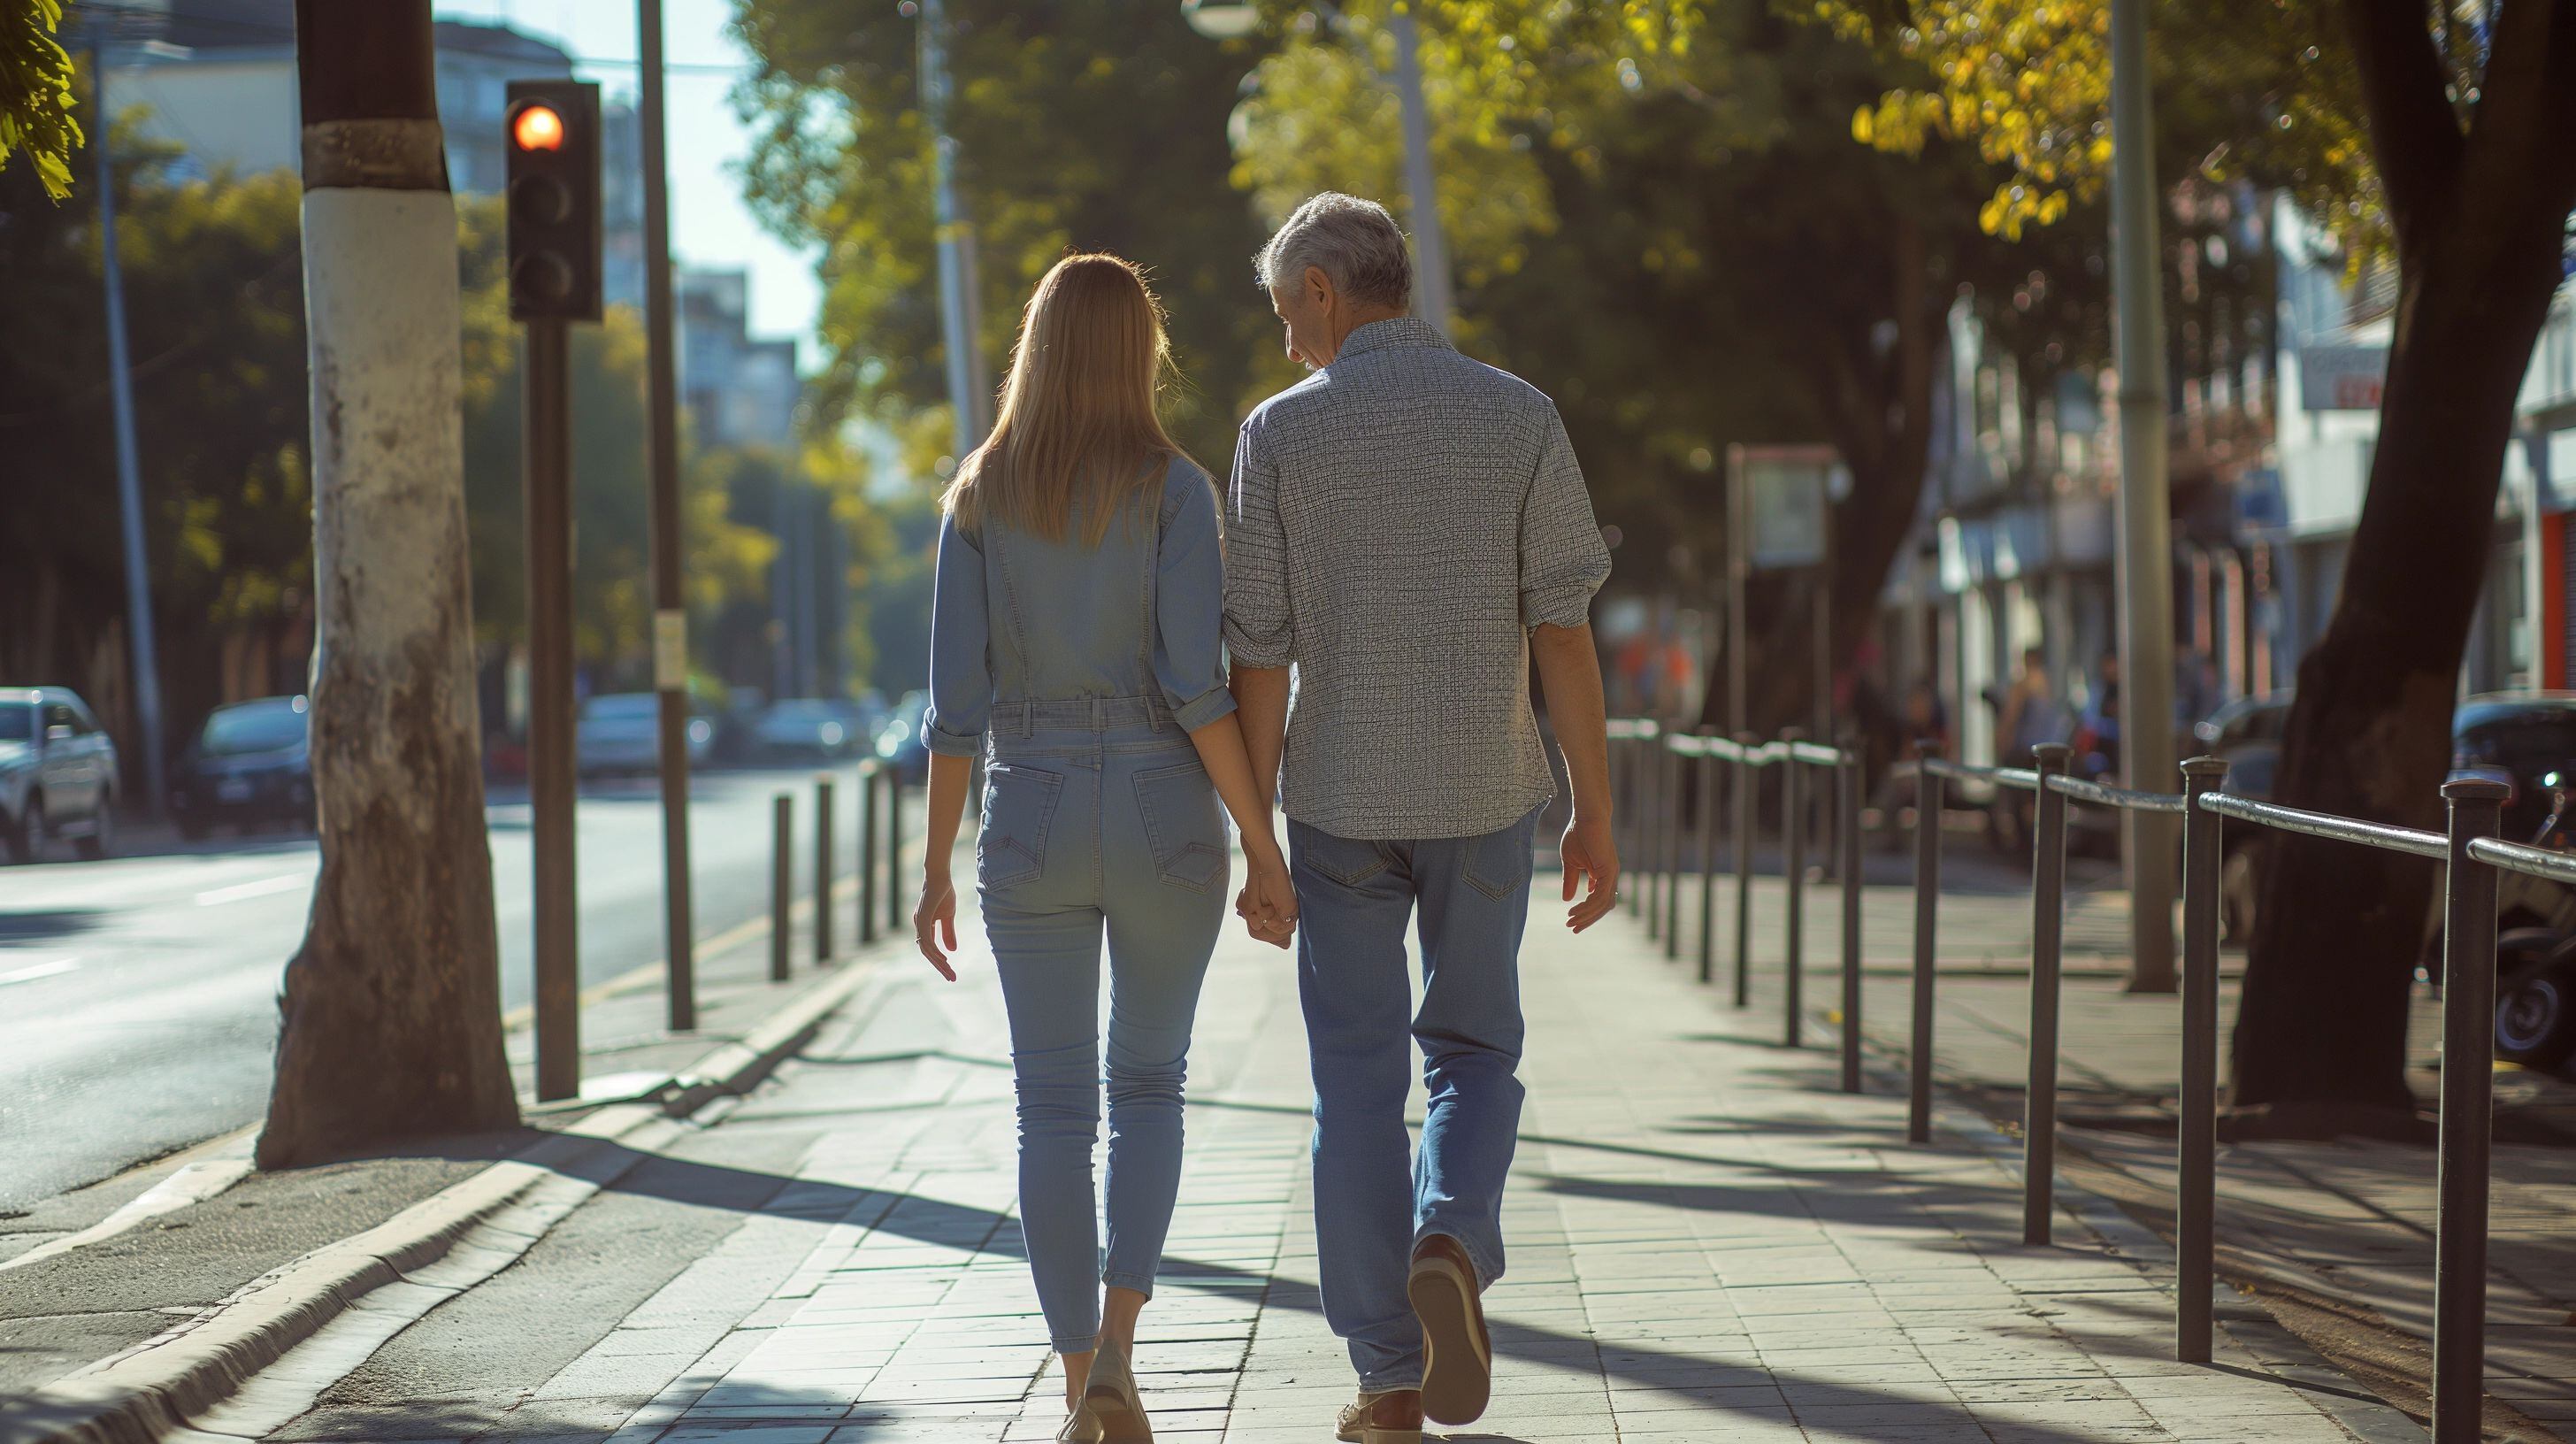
(1019,618)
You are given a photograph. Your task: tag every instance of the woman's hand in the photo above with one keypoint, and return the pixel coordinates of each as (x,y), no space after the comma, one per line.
(1268,902)
(934,920)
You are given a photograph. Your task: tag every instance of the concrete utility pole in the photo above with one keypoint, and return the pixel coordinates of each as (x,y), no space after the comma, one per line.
(129,479)
(2146,556)
(670,615)
(391,1010)
(969,396)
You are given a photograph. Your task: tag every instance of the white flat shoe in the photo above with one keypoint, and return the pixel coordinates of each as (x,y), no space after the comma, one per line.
(1110,1397)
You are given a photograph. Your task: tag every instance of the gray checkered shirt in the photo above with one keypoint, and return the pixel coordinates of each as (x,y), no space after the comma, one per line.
(1398,522)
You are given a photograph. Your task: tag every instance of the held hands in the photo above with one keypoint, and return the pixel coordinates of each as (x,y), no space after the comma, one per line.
(1268,902)
(934,920)
(1589,853)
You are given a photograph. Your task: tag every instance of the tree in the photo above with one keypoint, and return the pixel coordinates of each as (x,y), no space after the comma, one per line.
(216,320)
(392,1019)
(1096,126)
(36,94)
(2445,142)
(1718,262)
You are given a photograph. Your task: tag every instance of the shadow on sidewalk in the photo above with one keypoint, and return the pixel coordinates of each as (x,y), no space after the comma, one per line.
(1710,1383)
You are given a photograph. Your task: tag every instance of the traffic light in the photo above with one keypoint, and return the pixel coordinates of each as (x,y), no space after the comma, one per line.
(552,135)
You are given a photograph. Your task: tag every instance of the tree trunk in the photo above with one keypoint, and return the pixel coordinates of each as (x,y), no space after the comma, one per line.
(392,1006)
(2340,928)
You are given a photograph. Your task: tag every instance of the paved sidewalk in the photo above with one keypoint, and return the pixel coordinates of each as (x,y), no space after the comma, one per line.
(1706,1244)
(2343,1225)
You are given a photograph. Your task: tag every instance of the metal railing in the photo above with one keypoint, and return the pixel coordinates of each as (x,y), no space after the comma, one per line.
(1652,820)
(1649,767)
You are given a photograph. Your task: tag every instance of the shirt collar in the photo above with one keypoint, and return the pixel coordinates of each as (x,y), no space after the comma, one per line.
(1399,333)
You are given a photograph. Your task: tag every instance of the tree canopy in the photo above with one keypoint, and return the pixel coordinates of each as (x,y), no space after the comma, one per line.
(1094,127)
(36,93)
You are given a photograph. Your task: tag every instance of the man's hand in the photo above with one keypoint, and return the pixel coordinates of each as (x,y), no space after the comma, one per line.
(934,920)
(1588,853)
(1268,905)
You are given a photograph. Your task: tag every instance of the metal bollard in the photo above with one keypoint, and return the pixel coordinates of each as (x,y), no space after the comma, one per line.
(1744,794)
(782,883)
(823,868)
(1707,852)
(1793,869)
(1847,838)
(1623,810)
(2468,1089)
(868,773)
(1928,787)
(1672,851)
(894,850)
(2047,941)
(2196,1139)
(1650,855)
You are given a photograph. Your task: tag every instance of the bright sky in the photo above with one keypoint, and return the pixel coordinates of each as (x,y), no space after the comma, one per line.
(710,225)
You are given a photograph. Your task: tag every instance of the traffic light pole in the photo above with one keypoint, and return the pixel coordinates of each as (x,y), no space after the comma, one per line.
(551,765)
(670,617)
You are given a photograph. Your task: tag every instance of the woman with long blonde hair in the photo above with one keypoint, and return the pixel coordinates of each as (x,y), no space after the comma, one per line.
(1074,643)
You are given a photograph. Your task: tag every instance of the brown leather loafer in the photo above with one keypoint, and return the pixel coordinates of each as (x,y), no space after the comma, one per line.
(1457,1352)
(1394,1417)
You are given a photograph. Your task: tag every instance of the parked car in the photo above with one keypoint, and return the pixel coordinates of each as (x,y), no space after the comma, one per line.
(620,732)
(808,729)
(58,773)
(899,746)
(2520,739)
(251,765)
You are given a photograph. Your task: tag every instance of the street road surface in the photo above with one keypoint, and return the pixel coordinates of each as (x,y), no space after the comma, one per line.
(138,995)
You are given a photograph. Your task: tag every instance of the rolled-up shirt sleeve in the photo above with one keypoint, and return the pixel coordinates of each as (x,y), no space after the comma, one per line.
(1563,559)
(961,665)
(1260,627)
(1189,592)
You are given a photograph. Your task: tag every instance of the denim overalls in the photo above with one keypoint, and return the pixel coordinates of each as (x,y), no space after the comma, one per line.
(1086,668)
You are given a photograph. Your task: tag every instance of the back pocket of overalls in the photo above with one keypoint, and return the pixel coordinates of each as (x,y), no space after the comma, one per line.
(1184,825)
(1019,803)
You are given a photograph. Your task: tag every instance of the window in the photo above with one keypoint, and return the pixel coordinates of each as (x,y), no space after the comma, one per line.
(58,714)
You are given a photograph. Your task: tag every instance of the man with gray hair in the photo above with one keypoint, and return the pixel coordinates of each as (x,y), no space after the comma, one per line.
(1408,530)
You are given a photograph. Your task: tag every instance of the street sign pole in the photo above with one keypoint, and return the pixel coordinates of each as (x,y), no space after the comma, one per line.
(670,617)
(550,722)
(2146,558)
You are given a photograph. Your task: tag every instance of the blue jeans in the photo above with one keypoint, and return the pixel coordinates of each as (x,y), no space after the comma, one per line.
(1093,820)
(1374,1199)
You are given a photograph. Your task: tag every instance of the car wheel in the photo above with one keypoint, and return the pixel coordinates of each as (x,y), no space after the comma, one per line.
(102,834)
(2536,1015)
(27,839)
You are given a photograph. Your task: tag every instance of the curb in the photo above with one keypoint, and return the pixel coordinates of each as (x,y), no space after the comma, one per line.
(149,1392)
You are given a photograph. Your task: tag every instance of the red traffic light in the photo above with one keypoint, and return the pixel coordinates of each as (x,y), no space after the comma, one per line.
(537,127)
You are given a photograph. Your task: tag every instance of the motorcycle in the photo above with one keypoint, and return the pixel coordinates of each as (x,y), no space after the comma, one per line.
(2535,1019)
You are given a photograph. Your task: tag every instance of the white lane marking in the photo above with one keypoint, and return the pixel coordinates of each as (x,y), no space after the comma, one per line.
(262,888)
(193,1183)
(54,969)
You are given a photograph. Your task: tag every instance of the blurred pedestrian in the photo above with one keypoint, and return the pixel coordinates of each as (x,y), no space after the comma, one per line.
(1409,529)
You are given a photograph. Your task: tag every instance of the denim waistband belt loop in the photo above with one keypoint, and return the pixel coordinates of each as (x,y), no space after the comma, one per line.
(1085,714)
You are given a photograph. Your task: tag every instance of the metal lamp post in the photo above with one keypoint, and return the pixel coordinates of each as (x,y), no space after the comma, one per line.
(1224,21)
